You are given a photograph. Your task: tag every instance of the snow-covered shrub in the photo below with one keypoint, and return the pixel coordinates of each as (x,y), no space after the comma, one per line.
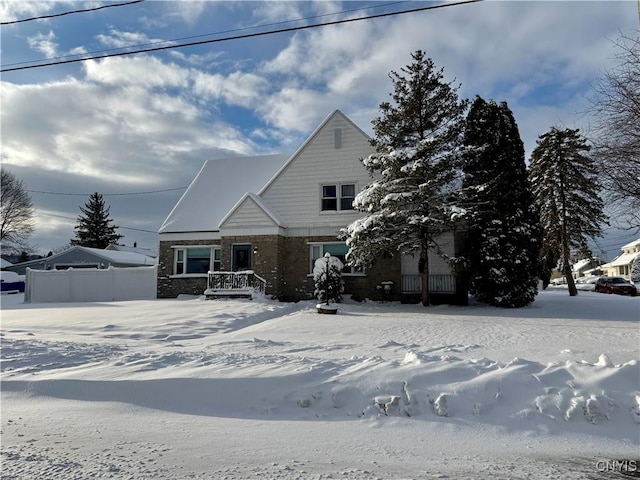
(327,275)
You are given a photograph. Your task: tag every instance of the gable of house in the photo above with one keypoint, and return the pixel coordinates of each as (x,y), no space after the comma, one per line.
(252,212)
(326,167)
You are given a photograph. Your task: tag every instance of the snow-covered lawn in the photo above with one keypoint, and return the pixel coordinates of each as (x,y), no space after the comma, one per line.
(189,388)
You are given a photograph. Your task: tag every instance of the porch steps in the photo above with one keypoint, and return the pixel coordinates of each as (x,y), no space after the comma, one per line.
(212,294)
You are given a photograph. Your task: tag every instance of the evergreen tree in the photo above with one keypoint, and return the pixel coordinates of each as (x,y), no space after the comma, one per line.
(504,232)
(635,269)
(565,185)
(417,140)
(94,228)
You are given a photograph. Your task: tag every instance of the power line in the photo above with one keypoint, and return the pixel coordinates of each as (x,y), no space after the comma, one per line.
(70,12)
(106,194)
(139,45)
(76,219)
(238,37)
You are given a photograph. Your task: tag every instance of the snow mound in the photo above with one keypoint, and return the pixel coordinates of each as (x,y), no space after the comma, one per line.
(268,360)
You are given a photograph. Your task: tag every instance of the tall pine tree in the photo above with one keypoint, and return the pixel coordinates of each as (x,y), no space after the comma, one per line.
(95,228)
(503,224)
(417,140)
(565,184)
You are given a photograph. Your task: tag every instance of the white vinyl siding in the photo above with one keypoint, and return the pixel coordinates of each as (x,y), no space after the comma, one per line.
(295,192)
(248,214)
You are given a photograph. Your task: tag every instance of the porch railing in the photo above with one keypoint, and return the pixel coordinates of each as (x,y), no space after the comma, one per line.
(437,283)
(236,281)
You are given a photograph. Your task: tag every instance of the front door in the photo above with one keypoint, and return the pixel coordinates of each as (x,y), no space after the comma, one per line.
(241,258)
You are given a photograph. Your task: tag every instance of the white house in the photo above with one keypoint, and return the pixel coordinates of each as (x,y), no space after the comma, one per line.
(621,265)
(275,215)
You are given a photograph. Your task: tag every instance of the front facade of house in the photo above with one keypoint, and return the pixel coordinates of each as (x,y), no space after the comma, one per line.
(621,265)
(284,222)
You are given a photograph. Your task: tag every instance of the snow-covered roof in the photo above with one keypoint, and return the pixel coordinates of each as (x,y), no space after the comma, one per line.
(631,244)
(124,248)
(624,259)
(4,263)
(580,264)
(112,256)
(217,188)
(115,256)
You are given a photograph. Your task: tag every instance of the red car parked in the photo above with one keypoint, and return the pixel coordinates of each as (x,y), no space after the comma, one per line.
(616,285)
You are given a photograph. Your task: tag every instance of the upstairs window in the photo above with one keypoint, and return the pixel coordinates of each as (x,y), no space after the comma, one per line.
(329,198)
(338,197)
(347,195)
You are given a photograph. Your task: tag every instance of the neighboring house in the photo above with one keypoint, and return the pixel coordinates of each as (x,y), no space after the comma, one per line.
(621,265)
(84,257)
(147,252)
(4,263)
(276,214)
(585,266)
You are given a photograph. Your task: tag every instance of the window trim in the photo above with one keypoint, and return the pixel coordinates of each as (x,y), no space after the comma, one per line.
(361,273)
(184,248)
(338,198)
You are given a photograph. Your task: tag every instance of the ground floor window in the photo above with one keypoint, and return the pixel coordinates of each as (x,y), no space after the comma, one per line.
(190,260)
(335,249)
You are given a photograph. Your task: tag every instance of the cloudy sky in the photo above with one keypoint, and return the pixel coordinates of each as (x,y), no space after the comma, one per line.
(125,126)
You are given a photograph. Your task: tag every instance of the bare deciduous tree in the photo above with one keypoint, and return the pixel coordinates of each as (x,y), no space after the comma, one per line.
(16,213)
(615,111)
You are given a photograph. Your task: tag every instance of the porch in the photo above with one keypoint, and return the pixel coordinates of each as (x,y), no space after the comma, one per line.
(234,284)
(437,284)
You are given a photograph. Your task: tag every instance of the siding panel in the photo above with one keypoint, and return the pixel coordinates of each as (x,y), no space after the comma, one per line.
(248,214)
(296,193)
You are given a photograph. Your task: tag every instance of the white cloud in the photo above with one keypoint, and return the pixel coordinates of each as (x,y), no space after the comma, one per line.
(294,109)
(141,70)
(277,11)
(120,39)
(206,60)
(10,11)
(44,43)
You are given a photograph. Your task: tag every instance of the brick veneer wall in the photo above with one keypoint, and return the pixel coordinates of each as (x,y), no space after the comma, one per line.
(299,285)
(267,253)
(283,262)
(172,287)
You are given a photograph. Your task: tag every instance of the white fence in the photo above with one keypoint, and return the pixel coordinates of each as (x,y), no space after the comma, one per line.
(90,285)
